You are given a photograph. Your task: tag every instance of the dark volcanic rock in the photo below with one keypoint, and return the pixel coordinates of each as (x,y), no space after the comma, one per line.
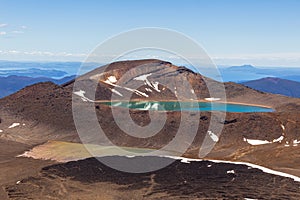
(196,180)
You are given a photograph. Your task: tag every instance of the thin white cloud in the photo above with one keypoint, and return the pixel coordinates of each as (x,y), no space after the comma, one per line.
(41,55)
(17,32)
(264,59)
(270,59)
(3,33)
(24,27)
(260,56)
(3,25)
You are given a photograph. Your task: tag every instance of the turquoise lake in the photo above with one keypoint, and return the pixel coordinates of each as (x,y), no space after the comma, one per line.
(189,106)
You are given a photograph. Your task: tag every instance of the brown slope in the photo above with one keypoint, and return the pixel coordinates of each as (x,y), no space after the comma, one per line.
(47,108)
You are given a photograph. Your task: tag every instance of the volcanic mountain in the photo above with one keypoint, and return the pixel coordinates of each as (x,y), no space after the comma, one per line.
(46,108)
(43,112)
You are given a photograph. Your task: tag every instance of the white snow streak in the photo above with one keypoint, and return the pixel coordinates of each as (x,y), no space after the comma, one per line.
(14,125)
(213,136)
(144,77)
(296,142)
(126,88)
(279,139)
(212,99)
(256,142)
(81,93)
(264,169)
(116,92)
(112,79)
(155,85)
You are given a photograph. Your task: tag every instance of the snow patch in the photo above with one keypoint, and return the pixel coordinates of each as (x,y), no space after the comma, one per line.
(279,139)
(126,88)
(230,172)
(14,125)
(296,142)
(144,77)
(212,99)
(148,89)
(83,99)
(286,144)
(185,160)
(130,156)
(192,91)
(1,131)
(264,169)
(112,79)
(140,93)
(282,126)
(256,142)
(209,165)
(116,92)
(81,93)
(150,106)
(155,85)
(213,136)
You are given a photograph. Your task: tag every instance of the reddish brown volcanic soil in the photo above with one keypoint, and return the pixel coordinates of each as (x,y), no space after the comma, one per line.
(46,111)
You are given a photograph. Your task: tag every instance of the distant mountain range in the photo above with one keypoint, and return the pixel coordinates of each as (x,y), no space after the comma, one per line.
(44,69)
(248,72)
(275,86)
(243,68)
(33,72)
(17,75)
(11,84)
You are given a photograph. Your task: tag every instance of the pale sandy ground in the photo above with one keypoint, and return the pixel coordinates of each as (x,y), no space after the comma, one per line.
(67,151)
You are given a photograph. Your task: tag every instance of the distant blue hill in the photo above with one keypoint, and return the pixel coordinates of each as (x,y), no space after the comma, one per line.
(275,86)
(11,84)
(33,72)
(243,68)
(45,69)
(292,77)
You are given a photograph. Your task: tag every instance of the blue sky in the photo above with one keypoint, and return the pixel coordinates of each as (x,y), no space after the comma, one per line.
(258,32)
